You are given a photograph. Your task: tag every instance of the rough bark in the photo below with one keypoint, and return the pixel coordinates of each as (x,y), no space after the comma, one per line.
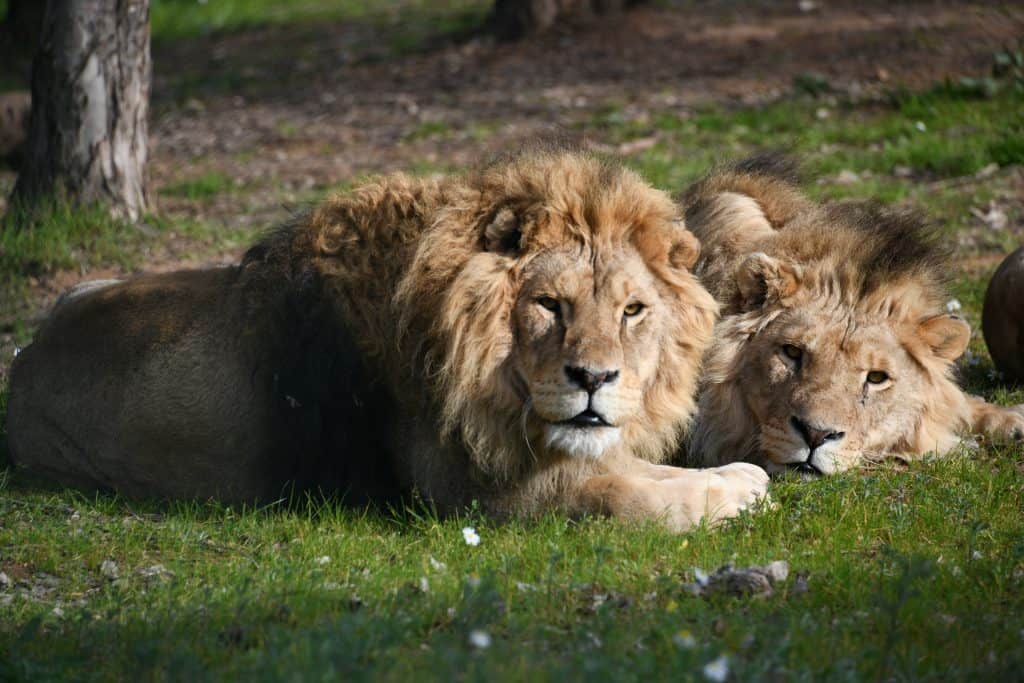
(90,102)
(512,19)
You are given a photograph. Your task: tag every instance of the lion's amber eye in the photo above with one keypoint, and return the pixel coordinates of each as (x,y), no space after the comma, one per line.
(877,377)
(549,303)
(632,309)
(792,352)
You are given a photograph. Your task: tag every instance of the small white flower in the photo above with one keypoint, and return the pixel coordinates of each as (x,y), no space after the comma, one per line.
(976,555)
(700,577)
(437,565)
(58,612)
(424,585)
(472,538)
(323,559)
(524,587)
(953,305)
(479,639)
(920,126)
(685,640)
(717,670)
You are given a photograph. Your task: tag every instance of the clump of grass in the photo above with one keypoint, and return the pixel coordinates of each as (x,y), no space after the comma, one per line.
(203,187)
(59,235)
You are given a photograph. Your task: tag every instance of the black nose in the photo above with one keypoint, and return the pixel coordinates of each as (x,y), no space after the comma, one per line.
(813,436)
(589,379)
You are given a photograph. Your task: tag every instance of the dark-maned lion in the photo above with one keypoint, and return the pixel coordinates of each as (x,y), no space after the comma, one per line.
(834,341)
(527,336)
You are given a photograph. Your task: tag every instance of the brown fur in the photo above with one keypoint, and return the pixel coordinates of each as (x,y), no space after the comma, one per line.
(854,288)
(424,328)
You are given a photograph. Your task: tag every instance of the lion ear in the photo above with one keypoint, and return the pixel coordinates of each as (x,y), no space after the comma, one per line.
(685,249)
(762,279)
(946,335)
(503,235)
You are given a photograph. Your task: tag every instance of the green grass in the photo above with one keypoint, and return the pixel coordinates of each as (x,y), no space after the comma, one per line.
(204,187)
(913,574)
(940,133)
(177,19)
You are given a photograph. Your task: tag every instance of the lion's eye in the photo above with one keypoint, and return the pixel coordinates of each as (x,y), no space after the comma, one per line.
(549,303)
(632,309)
(792,352)
(877,377)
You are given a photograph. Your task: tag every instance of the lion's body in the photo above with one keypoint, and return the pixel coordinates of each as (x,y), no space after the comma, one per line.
(391,340)
(819,301)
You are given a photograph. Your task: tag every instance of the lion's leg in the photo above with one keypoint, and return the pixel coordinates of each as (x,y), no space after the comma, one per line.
(682,500)
(997,422)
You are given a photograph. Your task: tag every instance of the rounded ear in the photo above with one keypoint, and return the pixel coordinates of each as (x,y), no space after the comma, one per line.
(685,249)
(502,234)
(762,279)
(946,335)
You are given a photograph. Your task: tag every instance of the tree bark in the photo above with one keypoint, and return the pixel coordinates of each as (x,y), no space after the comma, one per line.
(512,19)
(90,101)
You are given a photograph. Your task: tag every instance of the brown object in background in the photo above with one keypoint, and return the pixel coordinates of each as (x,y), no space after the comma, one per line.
(1002,319)
(14,112)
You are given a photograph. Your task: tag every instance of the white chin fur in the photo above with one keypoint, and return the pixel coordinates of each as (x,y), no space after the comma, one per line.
(823,459)
(580,442)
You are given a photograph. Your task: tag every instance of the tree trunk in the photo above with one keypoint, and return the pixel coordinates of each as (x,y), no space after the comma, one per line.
(513,19)
(90,101)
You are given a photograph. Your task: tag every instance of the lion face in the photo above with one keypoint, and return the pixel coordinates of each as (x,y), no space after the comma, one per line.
(828,386)
(569,323)
(811,381)
(588,336)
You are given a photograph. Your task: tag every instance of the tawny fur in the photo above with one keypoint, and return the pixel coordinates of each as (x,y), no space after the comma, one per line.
(407,327)
(855,288)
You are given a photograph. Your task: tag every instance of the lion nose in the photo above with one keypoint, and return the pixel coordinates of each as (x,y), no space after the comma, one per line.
(813,436)
(590,380)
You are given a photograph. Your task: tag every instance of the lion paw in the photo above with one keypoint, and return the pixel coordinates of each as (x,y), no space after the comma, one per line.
(733,488)
(713,494)
(1003,424)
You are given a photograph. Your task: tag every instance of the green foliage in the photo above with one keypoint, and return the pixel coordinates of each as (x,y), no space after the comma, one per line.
(203,187)
(177,19)
(60,236)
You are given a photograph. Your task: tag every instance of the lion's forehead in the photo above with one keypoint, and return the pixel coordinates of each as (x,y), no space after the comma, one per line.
(569,274)
(840,334)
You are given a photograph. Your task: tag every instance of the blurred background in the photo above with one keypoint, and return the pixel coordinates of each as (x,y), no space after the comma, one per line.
(261,105)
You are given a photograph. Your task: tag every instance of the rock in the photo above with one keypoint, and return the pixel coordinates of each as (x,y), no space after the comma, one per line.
(740,581)
(847,177)
(109,570)
(14,113)
(1002,318)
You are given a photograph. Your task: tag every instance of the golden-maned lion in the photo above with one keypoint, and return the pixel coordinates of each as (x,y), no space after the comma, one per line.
(834,343)
(527,336)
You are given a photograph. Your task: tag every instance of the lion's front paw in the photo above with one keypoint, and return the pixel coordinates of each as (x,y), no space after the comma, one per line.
(733,488)
(1003,424)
